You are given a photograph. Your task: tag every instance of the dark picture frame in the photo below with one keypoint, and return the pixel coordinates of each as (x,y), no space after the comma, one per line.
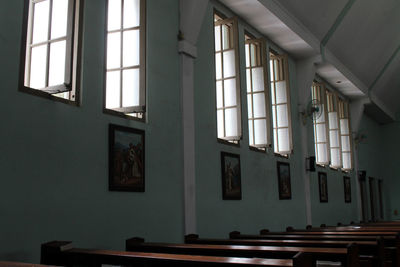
(347,189)
(231,176)
(126,159)
(285,189)
(323,186)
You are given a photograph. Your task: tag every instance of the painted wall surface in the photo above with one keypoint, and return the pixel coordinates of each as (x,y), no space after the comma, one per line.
(54,157)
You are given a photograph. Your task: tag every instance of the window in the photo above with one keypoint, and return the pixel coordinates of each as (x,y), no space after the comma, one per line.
(125,57)
(345,134)
(321,139)
(334,130)
(227,79)
(257,98)
(280,97)
(51,50)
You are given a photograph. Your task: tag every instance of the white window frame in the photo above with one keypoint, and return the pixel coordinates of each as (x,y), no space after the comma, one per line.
(318,93)
(344,118)
(332,107)
(232,24)
(279,72)
(137,112)
(68,91)
(255,53)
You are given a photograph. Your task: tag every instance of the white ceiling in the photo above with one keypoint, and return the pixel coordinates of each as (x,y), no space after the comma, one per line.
(360,52)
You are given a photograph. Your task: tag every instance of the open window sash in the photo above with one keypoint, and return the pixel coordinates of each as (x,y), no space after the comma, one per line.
(334,131)
(345,134)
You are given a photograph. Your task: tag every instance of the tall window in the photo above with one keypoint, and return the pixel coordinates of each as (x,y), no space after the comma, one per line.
(227,79)
(280,97)
(345,134)
(321,139)
(257,98)
(51,47)
(334,130)
(125,60)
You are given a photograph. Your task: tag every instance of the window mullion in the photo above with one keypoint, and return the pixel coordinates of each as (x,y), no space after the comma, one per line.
(121,55)
(48,45)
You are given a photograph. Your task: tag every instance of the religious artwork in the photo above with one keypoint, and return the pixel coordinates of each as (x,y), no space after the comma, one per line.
(285,191)
(323,187)
(126,159)
(347,189)
(231,178)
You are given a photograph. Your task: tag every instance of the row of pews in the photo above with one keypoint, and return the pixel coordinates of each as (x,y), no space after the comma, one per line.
(373,244)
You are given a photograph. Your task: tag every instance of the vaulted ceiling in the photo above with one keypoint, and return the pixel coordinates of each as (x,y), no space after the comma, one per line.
(358,42)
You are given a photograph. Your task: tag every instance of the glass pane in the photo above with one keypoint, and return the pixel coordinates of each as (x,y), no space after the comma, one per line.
(321,132)
(225,37)
(249,107)
(334,138)
(130,88)
(247,55)
(273,93)
(220,123)
(259,105)
(40,22)
(276,70)
(131,13)
(231,122)
(274,120)
(251,141)
(131,48)
(322,156)
(271,70)
(344,126)
(260,130)
(283,137)
(281,92)
(38,67)
(113,89)
(253,55)
(346,161)
(333,123)
(113,50)
(321,118)
(218,66)
(59,18)
(283,120)
(248,80)
(276,149)
(230,92)
(229,63)
(114,14)
(258,79)
(217,32)
(57,63)
(220,103)
(345,143)
(335,157)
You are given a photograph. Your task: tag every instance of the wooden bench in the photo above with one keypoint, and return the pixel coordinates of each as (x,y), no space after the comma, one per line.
(61,253)
(21,264)
(347,256)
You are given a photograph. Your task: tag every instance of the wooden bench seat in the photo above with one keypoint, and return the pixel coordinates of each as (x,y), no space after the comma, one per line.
(21,264)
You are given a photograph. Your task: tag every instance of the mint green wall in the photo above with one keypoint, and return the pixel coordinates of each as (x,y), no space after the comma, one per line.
(54,157)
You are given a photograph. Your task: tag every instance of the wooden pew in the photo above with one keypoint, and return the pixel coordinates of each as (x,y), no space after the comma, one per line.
(347,256)
(21,264)
(60,253)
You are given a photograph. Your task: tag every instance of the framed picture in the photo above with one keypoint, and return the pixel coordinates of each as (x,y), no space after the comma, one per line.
(323,187)
(126,159)
(285,190)
(347,189)
(231,178)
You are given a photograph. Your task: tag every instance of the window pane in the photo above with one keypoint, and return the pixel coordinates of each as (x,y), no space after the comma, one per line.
(281,92)
(258,79)
(345,143)
(40,22)
(113,50)
(113,89)
(131,48)
(230,92)
(274,121)
(253,55)
(225,37)
(282,116)
(219,95)
(321,132)
(333,123)
(217,32)
(114,14)
(271,70)
(260,127)
(259,105)
(346,161)
(57,63)
(335,157)
(322,117)
(38,67)
(322,156)
(249,106)
(247,55)
(334,138)
(131,13)
(248,80)
(276,70)
(231,122)
(251,141)
(220,123)
(276,149)
(130,88)
(283,137)
(229,63)
(59,18)
(218,66)
(344,126)
(273,93)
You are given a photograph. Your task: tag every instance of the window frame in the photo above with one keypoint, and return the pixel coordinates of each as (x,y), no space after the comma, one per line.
(284,70)
(234,40)
(261,56)
(125,112)
(72,81)
(335,104)
(346,115)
